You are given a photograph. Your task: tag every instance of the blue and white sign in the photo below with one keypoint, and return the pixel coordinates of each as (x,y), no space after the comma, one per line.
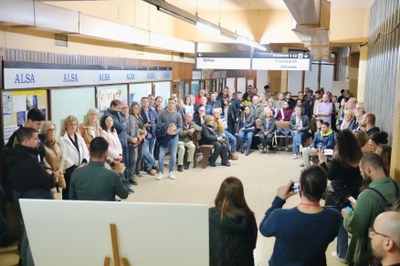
(19,78)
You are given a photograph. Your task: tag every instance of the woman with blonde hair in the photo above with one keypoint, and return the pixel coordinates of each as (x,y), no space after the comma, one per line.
(53,161)
(91,127)
(232,227)
(74,150)
(348,116)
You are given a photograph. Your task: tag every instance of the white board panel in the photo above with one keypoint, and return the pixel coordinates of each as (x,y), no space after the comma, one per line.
(241,85)
(66,233)
(82,98)
(294,81)
(163,89)
(137,91)
(327,77)
(230,82)
(311,78)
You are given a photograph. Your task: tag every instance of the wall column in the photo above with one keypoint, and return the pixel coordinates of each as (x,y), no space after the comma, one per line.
(362,70)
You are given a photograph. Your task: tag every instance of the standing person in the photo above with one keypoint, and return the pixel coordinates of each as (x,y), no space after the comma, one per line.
(35,120)
(28,178)
(212,103)
(136,136)
(158,105)
(358,222)
(299,126)
(202,93)
(169,124)
(245,130)
(256,109)
(233,228)
(74,150)
(267,94)
(149,116)
(120,125)
(346,181)
(110,134)
(94,181)
(324,110)
(186,138)
(302,233)
(234,111)
(91,127)
(189,107)
(289,100)
(385,238)
(54,160)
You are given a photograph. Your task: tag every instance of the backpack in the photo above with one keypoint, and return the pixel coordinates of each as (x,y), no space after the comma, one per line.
(381,199)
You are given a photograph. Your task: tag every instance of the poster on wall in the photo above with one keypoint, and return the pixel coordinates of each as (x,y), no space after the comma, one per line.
(16,105)
(106,94)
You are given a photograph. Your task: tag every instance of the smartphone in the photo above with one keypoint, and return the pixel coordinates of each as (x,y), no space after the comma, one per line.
(295,187)
(352,200)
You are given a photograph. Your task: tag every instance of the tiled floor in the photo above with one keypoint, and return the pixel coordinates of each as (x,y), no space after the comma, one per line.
(261,174)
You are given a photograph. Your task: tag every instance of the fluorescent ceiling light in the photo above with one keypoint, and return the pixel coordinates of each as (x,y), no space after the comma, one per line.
(251,43)
(207,27)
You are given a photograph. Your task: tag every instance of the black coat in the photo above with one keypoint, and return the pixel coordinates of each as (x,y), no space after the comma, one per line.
(231,241)
(209,134)
(25,172)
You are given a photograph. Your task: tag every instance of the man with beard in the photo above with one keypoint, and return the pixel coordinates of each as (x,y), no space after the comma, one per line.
(368,207)
(385,238)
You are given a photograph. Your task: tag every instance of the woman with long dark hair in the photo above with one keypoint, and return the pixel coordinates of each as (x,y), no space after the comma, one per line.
(232,227)
(346,180)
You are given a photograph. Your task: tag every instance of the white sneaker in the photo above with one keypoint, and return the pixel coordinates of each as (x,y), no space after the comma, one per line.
(171,175)
(295,156)
(160,176)
(342,260)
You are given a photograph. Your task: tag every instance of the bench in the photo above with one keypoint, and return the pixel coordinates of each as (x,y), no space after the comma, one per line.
(281,125)
(206,150)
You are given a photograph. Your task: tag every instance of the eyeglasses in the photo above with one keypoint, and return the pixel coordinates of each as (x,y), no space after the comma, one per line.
(372,233)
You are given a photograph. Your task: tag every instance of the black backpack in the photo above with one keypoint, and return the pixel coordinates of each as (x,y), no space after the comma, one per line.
(381,199)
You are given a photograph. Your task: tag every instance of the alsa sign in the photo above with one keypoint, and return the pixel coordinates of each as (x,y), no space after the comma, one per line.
(16,78)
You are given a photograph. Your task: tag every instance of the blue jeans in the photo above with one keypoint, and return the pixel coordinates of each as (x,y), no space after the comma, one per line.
(173,148)
(342,241)
(245,137)
(125,160)
(297,137)
(148,149)
(232,140)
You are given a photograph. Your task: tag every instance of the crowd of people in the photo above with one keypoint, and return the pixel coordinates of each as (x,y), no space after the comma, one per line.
(113,150)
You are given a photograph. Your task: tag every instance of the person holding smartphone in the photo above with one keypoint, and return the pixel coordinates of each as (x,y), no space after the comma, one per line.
(302,233)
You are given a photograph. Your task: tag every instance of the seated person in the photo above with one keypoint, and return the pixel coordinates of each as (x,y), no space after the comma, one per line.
(323,139)
(211,135)
(267,130)
(186,137)
(299,126)
(302,233)
(245,130)
(233,228)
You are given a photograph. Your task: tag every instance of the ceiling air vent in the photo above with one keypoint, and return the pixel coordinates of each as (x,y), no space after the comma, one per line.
(61,40)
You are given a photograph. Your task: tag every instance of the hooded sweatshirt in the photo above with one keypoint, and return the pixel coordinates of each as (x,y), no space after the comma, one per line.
(232,241)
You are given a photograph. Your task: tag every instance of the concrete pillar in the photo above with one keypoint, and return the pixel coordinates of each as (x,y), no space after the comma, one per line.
(362,70)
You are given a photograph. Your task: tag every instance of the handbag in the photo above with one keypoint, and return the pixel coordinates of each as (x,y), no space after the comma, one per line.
(249,129)
(336,196)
